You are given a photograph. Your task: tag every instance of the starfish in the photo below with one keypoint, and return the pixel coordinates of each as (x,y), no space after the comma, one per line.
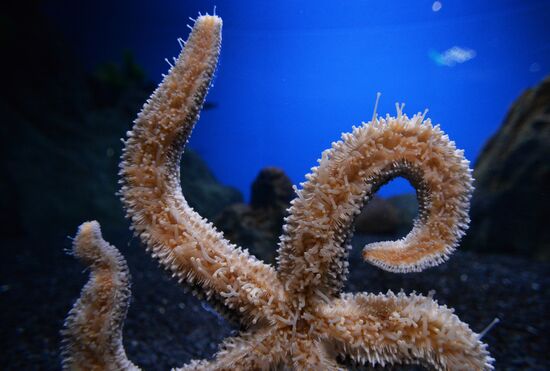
(293,316)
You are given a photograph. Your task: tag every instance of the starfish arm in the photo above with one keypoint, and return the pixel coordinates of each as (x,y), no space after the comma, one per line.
(92,336)
(313,251)
(309,354)
(178,237)
(389,329)
(259,350)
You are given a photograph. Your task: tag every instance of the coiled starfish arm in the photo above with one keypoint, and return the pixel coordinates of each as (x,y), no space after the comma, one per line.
(296,316)
(348,175)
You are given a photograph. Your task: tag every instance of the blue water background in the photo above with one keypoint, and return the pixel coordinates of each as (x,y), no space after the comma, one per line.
(294,75)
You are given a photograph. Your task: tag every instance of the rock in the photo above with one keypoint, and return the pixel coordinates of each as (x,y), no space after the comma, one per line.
(202,190)
(378,216)
(258,226)
(511,204)
(270,198)
(272,188)
(394,215)
(407,206)
(242,226)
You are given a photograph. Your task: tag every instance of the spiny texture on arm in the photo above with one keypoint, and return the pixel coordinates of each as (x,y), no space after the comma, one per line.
(313,250)
(92,337)
(258,350)
(389,329)
(269,349)
(178,237)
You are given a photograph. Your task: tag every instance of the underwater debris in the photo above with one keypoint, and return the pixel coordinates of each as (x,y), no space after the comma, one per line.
(294,316)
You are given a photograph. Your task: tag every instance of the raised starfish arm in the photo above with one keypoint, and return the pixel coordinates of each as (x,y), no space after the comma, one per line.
(92,336)
(400,329)
(178,237)
(313,249)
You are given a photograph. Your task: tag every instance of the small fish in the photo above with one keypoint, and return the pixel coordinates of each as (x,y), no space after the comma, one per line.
(452,56)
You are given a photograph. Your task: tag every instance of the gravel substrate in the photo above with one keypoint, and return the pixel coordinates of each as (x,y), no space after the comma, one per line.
(167,327)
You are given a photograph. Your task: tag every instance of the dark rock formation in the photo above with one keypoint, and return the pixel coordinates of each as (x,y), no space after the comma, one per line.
(272,189)
(511,203)
(202,190)
(258,226)
(393,215)
(407,206)
(379,216)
